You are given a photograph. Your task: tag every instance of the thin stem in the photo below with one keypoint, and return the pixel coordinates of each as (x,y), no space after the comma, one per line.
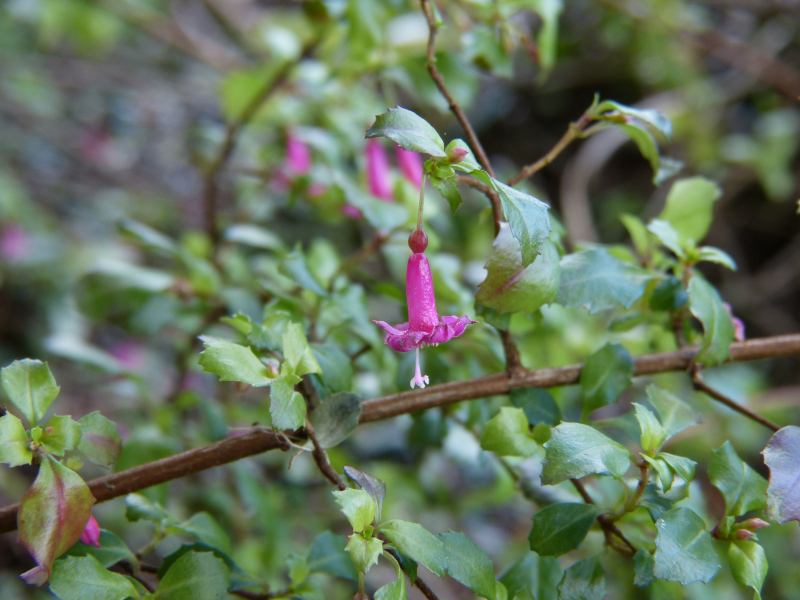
(421,202)
(606,523)
(419,582)
(322,460)
(701,385)
(494,198)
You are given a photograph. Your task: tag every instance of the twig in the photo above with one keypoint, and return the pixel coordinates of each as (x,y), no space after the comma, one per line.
(419,582)
(322,461)
(701,385)
(494,198)
(605,522)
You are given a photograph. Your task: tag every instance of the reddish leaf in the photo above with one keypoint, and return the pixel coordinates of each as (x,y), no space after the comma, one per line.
(782,456)
(52,516)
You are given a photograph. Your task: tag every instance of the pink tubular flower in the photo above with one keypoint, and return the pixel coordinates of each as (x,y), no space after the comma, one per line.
(379,180)
(424,326)
(738,324)
(91,534)
(298,156)
(410,164)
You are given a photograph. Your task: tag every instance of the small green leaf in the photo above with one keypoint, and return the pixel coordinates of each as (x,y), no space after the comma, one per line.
(782,456)
(14,443)
(585,580)
(100,440)
(294,265)
(643,564)
(60,434)
(469,564)
(358,506)
(684,549)
(665,474)
(511,287)
(112,550)
(370,484)
(297,351)
(298,569)
(409,130)
(715,255)
(30,386)
(286,406)
(233,362)
(538,404)
(748,565)
(689,207)
(195,576)
(605,375)
(683,467)
(328,555)
(652,431)
(674,413)
(85,578)
(706,304)
(443,179)
(239,578)
(595,280)
(744,489)
(532,577)
(576,450)
(417,543)
(149,238)
(364,552)
(393,591)
(337,370)
(638,232)
(560,528)
(669,294)
(654,120)
(508,434)
(204,528)
(141,508)
(335,418)
(667,235)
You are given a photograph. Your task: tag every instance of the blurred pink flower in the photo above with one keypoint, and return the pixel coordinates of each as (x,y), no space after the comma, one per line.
(379,178)
(14,243)
(91,533)
(298,156)
(410,164)
(738,324)
(351,211)
(130,355)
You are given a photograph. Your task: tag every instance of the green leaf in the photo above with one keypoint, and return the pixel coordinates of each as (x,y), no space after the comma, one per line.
(469,564)
(643,564)
(683,467)
(100,440)
(668,236)
(715,255)
(253,235)
(576,450)
(205,529)
(748,565)
(409,130)
(646,143)
(443,179)
(684,550)
(85,578)
(233,362)
(669,294)
(538,404)
(665,474)
(508,434)
(605,375)
(674,413)
(654,120)
(689,207)
(294,265)
(297,351)
(14,443)
(358,506)
(638,232)
(112,550)
(298,569)
(782,456)
(287,408)
(149,238)
(744,489)
(393,591)
(60,434)
(239,578)
(511,287)
(195,576)
(706,304)
(52,516)
(328,555)
(585,580)
(652,431)
(547,36)
(141,508)
(30,386)
(370,484)
(418,543)
(337,370)
(595,280)
(335,418)
(560,528)
(532,577)
(364,552)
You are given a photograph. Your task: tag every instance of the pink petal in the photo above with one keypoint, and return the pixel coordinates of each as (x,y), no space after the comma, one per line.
(422,315)
(410,164)
(298,156)
(378,174)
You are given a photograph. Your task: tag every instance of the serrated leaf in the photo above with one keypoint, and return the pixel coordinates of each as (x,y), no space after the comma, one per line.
(511,287)
(684,550)
(328,555)
(61,433)
(674,413)
(335,418)
(112,550)
(85,578)
(595,280)
(287,408)
(233,362)
(576,450)
(417,543)
(52,516)
(297,351)
(14,443)
(469,564)
(717,256)
(508,434)
(683,467)
(239,578)
(30,386)
(605,375)
(370,484)
(782,456)
(538,404)
(652,431)
(358,506)
(643,564)
(718,331)
(689,207)
(364,552)
(100,440)
(195,576)
(560,528)
(748,565)
(532,577)
(585,580)
(744,489)
(443,179)
(409,130)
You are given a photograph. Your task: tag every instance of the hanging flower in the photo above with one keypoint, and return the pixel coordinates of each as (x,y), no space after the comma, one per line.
(91,534)
(298,156)
(410,164)
(379,179)
(424,326)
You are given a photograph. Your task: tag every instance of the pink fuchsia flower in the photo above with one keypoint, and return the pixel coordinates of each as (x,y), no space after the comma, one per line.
(91,534)
(410,164)
(14,243)
(298,156)
(379,178)
(424,326)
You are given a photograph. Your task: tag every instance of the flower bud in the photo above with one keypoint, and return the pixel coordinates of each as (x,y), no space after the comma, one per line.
(91,533)
(753,524)
(418,241)
(456,155)
(743,534)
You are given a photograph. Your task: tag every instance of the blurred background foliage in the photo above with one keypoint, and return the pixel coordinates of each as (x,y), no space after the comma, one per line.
(115,115)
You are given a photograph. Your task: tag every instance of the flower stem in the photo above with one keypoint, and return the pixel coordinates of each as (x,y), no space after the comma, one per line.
(421,202)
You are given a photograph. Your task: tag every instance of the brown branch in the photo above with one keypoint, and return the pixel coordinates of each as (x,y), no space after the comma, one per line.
(260,440)
(472,139)
(322,461)
(606,523)
(702,386)
(419,582)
